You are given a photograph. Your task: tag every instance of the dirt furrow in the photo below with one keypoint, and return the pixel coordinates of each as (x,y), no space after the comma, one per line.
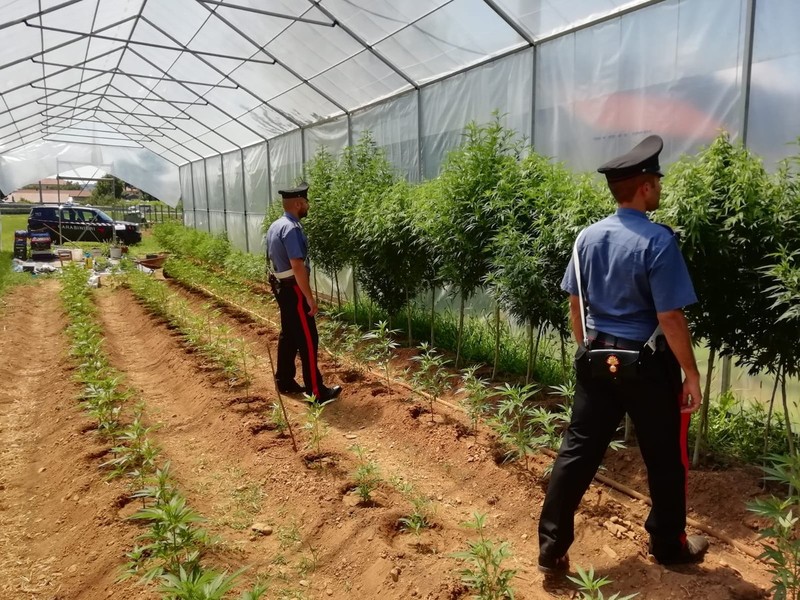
(455,468)
(60,533)
(237,475)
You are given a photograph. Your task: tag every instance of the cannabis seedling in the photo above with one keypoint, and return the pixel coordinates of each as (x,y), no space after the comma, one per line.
(485,574)
(277,418)
(515,420)
(380,347)
(476,396)
(589,586)
(367,475)
(431,377)
(314,424)
(420,517)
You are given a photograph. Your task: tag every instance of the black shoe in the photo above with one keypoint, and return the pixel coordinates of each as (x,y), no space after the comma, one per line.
(329,393)
(693,551)
(292,388)
(554,566)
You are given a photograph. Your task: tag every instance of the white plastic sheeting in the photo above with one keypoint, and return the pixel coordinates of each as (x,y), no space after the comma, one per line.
(140,167)
(674,69)
(774,116)
(220,102)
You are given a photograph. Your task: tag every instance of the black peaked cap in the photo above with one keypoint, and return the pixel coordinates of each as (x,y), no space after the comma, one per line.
(301,191)
(642,159)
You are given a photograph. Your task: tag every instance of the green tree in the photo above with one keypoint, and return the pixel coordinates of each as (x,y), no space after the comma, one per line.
(532,248)
(390,251)
(722,203)
(471,200)
(109,187)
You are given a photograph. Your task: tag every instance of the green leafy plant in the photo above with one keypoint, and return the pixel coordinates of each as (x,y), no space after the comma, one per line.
(421,515)
(200,584)
(367,475)
(277,418)
(782,546)
(515,420)
(431,377)
(381,344)
(172,542)
(476,393)
(314,424)
(468,209)
(486,575)
(589,586)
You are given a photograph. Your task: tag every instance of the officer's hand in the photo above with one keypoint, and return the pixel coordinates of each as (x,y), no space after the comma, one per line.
(313,309)
(691,397)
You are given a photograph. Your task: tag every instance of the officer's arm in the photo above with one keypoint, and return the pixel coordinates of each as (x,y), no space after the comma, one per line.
(301,276)
(676,330)
(575,318)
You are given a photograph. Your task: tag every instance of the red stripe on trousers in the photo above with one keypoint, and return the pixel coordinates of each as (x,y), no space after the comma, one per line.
(685,418)
(312,360)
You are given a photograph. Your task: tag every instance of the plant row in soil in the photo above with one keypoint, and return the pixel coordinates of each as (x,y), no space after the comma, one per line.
(248,314)
(171,547)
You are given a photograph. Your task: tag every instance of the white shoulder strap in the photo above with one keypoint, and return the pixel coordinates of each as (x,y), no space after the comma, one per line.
(651,342)
(577,264)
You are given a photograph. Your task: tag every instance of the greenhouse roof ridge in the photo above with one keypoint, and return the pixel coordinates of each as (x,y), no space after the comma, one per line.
(168,82)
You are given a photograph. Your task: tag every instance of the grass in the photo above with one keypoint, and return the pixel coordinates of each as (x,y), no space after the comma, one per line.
(8,224)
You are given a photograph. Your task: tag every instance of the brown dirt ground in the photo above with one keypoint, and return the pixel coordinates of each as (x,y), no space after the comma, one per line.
(236,471)
(60,532)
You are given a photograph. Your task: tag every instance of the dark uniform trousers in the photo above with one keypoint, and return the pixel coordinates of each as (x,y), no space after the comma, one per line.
(298,334)
(652,399)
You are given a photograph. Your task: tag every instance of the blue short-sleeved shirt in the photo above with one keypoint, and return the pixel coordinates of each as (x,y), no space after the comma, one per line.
(286,240)
(631,269)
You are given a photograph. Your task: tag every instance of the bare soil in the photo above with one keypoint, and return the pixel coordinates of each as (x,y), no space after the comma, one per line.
(63,533)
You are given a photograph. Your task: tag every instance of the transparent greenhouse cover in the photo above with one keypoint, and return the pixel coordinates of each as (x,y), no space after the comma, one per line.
(144,86)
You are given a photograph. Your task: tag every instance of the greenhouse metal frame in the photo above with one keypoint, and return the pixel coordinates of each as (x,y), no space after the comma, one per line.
(219,104)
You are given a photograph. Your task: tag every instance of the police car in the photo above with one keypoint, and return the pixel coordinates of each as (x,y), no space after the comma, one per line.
(81,224)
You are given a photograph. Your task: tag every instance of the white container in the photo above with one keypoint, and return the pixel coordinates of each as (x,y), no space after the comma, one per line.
(115,252)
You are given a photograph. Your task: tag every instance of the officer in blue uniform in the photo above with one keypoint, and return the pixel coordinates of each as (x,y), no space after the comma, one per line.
(633,280)
(287,248)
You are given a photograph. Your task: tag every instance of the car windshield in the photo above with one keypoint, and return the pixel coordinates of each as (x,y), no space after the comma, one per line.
(103,217)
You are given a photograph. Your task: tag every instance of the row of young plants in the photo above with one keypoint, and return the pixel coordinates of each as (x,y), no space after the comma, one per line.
(214,341)
(524,429)
(190,274)
(169,551)
(481,340)
(502,219)
(737,431)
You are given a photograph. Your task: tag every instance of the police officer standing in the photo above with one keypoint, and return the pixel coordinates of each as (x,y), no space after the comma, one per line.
(287,247)
(632,283)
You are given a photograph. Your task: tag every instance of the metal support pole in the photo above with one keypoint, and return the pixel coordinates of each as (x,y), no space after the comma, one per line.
(208,204)
(194,197)
(244,196)
(224,196)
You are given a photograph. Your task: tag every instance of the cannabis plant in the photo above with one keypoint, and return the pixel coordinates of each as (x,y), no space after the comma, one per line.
(314,424)
(431,377)
(367,475)
(589,586)
(381,344)
(782,545)
(476,396)
(485,573)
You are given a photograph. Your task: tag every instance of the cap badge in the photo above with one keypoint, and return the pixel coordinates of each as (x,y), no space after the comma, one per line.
(612,361)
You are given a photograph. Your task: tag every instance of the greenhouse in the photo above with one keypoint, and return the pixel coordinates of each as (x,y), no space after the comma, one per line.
(220,104)
(469,363)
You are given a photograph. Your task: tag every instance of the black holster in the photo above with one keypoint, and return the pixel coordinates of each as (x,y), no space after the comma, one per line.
(274,284)
(609,363)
